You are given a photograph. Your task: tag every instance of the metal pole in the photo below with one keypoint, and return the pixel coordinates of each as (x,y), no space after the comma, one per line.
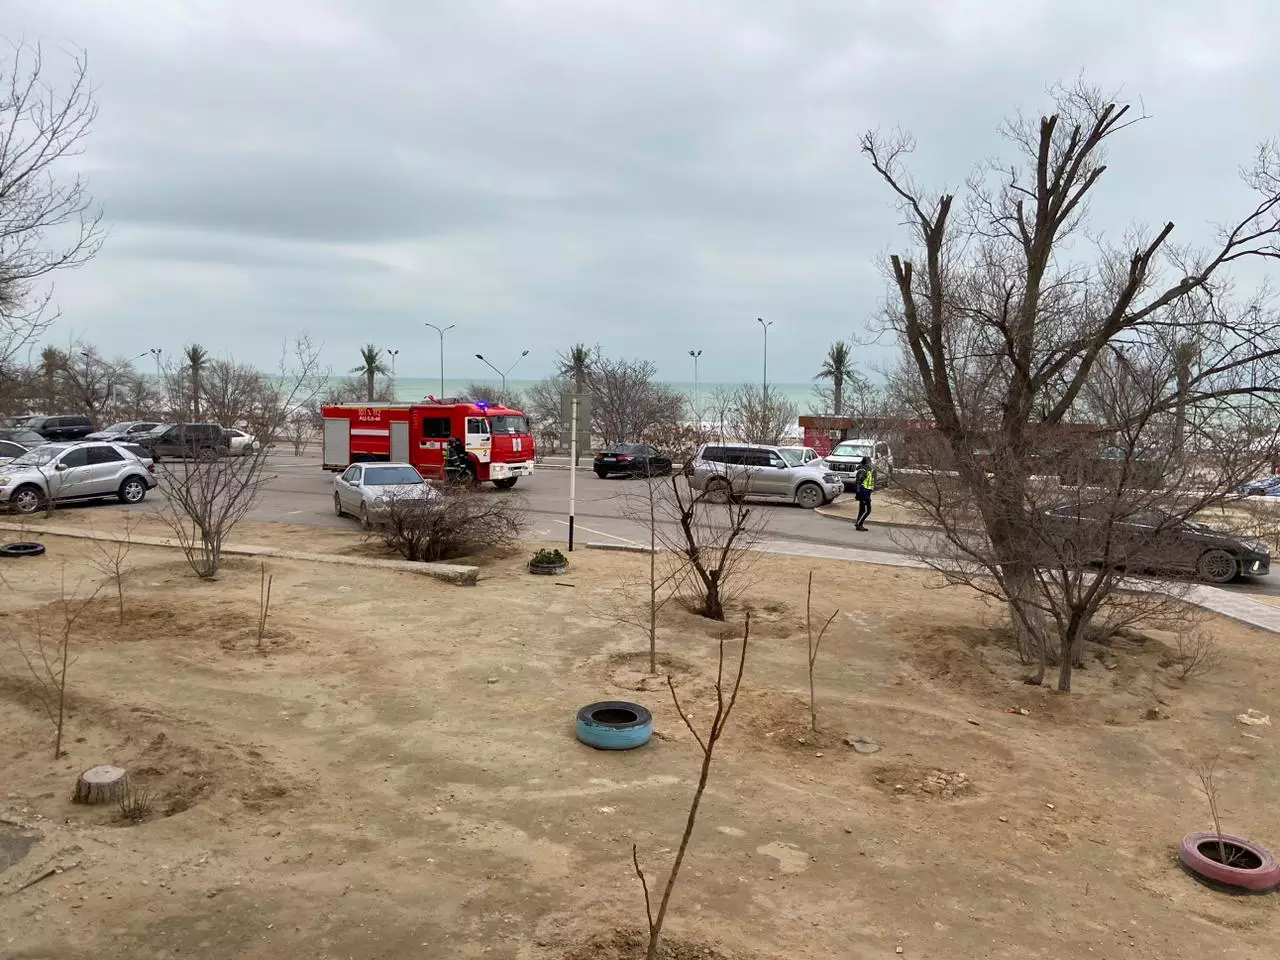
(764,379)
(573,458)
(442,333)
(695,354)
(480,357)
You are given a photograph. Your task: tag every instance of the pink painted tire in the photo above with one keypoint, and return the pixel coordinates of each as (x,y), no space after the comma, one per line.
(1262,872)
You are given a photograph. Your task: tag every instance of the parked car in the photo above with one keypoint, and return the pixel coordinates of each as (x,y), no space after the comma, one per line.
(1152,539)
(806,454)
(203,441)
(1139,470)
(239,443)
(367,490)
(72,471)
(124,430)
(844,458)
(141,453)
(722,471)
(9,450)
(28,438)
(1262,487)
(633,460)
(63,427)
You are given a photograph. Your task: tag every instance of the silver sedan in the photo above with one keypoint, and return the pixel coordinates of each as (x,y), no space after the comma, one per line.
(367,490)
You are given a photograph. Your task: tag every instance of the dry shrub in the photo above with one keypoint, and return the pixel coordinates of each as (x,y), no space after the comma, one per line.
(458,522)
(1195,652)
(136,804)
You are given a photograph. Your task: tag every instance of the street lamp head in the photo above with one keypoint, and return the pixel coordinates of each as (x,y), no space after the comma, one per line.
(525,353)
(479,356)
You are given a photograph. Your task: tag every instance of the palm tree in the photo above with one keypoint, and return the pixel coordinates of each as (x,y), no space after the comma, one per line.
(196,357)
(576,364)
(371,367)
(838,367)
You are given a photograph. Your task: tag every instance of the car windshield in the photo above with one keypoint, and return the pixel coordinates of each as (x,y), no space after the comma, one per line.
(120,427)
(508,424)
(158,429)
(391,476)
(855,450)
(28,438)
(39,456)
(793,457)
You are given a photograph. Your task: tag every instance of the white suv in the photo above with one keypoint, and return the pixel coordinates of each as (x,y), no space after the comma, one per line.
(73,471)
(724,470)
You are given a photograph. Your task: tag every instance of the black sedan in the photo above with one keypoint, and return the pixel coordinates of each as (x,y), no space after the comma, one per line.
(1150,539)
(632,459)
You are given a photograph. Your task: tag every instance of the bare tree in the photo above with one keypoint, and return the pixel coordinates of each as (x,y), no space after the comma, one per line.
(1004,332)
(46,653)
(93,385)
(41,125)
(756,418)
(725,700)
(1195,651)
(111,557)
(543,410)
(264,602)
(206,498)
(299,429)
(711,533)
(488,393)
(234,393)
(457,522)
(814,644)
(628,401)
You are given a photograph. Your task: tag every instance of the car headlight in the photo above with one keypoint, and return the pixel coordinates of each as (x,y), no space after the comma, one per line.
(1257,546)
(831,478)
(4,481)
(380,501)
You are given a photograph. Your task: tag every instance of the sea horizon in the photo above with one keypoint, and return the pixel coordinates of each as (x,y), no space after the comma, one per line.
(408,389)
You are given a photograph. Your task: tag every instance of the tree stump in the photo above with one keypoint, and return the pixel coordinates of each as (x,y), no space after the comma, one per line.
(101,784)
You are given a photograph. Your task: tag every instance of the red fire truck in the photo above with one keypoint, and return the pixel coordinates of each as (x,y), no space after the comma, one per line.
(499,444)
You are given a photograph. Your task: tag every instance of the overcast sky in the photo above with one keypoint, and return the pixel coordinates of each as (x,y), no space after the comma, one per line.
(649,174)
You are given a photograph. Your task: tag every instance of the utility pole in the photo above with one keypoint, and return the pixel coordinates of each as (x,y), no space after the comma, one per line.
(695,354)
(481,358)
(442,332)
(573,459)
(393,354)
(764,378)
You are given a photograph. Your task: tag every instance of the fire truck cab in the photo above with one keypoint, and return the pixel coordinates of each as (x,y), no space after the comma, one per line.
(498,442)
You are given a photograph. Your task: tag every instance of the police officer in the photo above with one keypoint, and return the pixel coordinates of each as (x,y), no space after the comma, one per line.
(864,482)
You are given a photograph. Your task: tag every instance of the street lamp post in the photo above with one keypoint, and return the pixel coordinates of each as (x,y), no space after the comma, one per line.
(695,354)
(481,358)
(155,352)
(442,332)
(393,354)
(764,379)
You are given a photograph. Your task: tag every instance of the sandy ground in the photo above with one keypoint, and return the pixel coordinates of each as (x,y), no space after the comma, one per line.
(394,774)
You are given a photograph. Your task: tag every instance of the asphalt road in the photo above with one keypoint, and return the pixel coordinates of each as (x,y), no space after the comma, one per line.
(299,491)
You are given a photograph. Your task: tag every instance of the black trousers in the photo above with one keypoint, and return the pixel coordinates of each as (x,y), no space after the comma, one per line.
(864,510)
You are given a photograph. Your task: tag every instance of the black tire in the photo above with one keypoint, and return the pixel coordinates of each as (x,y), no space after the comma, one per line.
(614,725)
(13,551)
(602,474)
(1217,566)
(506,484)
(718,491)
(27,499)
(206,454)
(364,518)
(337,506)
(805,494)
(132,490)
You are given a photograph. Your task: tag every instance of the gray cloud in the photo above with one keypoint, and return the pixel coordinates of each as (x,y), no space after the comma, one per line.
(650,176)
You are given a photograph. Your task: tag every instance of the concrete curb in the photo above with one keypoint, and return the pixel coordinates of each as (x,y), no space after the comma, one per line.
(615,547)
(830,515)
(454,573)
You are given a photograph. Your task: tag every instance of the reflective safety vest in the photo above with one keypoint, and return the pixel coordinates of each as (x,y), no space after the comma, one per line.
(869,479)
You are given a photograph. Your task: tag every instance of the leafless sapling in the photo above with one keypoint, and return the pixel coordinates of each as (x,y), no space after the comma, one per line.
(814,644)
(264,602)
(456,522)
(725,699)
(208,493)
(46,653)
(1206,771)
(1195,651)
(111,557)
(712,534)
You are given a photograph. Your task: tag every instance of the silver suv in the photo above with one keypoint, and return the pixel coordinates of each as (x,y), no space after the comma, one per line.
(73,471)
(723,470)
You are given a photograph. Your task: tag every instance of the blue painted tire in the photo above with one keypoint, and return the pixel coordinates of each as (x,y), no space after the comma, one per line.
(614,725)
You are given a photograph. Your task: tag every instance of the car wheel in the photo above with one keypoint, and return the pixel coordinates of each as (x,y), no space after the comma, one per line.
(27,500)
(132,490)
(718,491)
(337,506)
(506,483)
(810,495)
(1217,566)
(364,517)
(601,474)
(206,454)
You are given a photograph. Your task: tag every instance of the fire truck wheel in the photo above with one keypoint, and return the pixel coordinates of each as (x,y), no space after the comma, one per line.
(506,483)
(337,505)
